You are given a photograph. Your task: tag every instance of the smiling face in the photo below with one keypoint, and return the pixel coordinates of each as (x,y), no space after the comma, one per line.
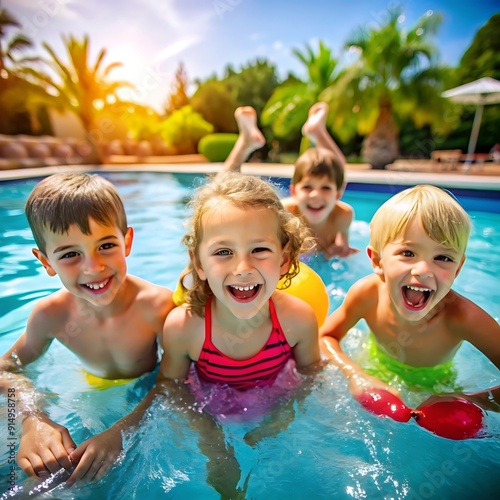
(417,271)
(91,266)
(316,198)
(241,256)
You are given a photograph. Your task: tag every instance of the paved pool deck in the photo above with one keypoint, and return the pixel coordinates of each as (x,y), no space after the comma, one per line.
(481,177)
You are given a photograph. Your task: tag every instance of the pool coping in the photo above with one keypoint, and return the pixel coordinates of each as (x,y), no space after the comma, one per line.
(354,175)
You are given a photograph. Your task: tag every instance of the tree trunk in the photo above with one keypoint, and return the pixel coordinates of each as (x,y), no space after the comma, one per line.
(94,155)
(380,147)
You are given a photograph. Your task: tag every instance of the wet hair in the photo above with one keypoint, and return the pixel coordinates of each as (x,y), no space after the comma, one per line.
(242,191)
(319,162)
(442,217)
(62,200)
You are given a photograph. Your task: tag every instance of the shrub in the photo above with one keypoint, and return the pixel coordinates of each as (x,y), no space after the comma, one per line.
(216,147)
(183,129)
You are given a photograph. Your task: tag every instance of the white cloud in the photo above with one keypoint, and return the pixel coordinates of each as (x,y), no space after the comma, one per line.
(170,12)
(52,8)
(176,48)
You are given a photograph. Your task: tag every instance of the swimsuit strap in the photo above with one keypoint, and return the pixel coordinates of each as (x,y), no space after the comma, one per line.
(208,319)
(275,321)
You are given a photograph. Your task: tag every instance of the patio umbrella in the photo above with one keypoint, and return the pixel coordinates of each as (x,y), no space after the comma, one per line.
(480,92)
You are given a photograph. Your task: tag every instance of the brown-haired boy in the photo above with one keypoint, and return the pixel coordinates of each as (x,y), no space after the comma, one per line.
(107,318)
(317,183)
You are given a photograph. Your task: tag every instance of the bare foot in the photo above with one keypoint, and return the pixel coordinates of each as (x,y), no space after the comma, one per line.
(315,125)
(250,136)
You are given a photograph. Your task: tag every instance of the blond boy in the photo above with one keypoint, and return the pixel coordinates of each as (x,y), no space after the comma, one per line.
(107,318)
(417,248)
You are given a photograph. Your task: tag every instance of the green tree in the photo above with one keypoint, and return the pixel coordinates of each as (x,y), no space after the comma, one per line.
(394,78)
(178,97)
(214,102)
(287,109)
(482,58)
(81,87)
(253,85)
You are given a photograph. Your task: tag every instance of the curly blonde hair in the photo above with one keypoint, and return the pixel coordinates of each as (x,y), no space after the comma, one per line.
(242,191)
(442,217)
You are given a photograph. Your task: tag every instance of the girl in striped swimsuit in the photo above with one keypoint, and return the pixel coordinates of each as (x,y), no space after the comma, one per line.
(235,327)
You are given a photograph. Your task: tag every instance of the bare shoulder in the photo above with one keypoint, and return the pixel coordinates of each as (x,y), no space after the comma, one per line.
(295,315)
(369,285)
(154,300)
(345,208)
(342,213)
(183,329)
(466,318)
(364,292)
(146,289)
(50,313)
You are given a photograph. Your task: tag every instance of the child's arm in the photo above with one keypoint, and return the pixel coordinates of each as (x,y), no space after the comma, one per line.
(45,445)
(344,214)
(300,327)
(477,327)
(359,299)
(98,453)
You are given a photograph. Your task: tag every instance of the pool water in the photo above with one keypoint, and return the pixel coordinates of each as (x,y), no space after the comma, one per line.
(331,449)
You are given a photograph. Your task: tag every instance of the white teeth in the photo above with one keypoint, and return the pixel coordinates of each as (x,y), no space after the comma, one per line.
(97,286)
(243,288)
(418,289)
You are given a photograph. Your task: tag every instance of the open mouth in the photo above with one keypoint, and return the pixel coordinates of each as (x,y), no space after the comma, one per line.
(415,297)
(244,293)
(315,209)
(98,287)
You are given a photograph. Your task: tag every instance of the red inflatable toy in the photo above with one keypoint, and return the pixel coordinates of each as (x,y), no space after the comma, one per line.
(451,418)
(456,418)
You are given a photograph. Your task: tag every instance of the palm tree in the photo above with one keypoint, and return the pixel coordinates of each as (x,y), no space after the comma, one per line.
(286,111)
(81,87)
(13,66)
(395,76)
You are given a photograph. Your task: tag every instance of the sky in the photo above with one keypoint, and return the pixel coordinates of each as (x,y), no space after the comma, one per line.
(151,37)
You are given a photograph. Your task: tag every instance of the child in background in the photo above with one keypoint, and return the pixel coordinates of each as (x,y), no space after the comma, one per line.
(417,248)
(107,318)
(318,181)
(235,328)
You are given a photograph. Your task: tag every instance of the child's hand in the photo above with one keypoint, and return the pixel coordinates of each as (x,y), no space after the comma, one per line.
(95,456)
(45,447)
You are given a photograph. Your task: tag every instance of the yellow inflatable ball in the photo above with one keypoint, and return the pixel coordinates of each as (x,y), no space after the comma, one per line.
(309,287)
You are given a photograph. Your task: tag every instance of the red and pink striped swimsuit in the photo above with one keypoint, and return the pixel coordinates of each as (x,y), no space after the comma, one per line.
(259,370)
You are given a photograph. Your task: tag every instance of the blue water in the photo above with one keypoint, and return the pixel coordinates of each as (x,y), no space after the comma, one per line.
(331,449)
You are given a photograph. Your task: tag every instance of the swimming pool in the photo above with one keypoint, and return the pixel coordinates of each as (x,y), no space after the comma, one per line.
(332,448)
